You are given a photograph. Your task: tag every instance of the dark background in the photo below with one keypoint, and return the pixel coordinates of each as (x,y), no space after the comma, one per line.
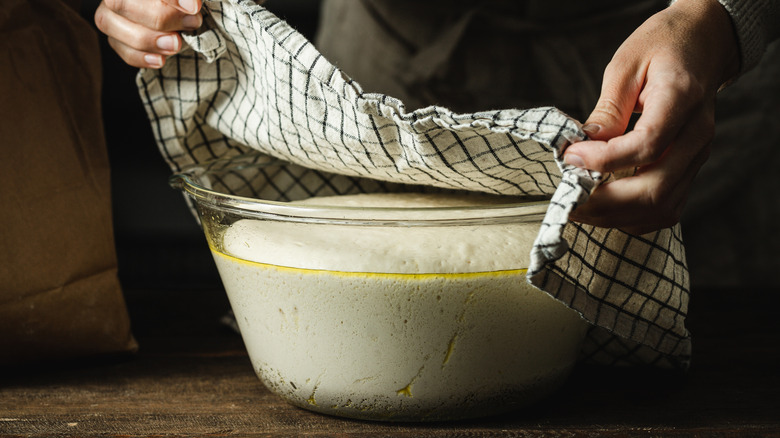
(158,241)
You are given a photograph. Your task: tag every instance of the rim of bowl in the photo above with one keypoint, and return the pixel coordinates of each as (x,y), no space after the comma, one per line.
(186,180)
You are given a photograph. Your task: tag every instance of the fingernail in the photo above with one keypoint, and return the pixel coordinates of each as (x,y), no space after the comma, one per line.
(192,22)
(591,129)
(153,60)
(574,160)
(189,5)
(168,42)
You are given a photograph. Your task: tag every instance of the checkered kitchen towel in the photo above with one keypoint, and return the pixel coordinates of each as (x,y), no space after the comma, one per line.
(250,81)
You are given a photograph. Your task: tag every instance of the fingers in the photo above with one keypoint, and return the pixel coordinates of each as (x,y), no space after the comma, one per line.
(145,32)
(620,92)
(668,100)
(186,6)
(137,58)
(668,146)
(629,204)
(135,44)
(655,196)
(159,15)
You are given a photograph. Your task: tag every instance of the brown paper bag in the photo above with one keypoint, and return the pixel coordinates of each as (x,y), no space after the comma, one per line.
(59,292)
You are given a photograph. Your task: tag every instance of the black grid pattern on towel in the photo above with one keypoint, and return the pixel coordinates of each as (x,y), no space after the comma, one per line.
(254,83)
(636,286)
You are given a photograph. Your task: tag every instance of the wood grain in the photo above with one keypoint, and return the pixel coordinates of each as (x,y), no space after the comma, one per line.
(192,377)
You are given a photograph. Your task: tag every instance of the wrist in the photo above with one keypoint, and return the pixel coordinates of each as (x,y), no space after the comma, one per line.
(715,26)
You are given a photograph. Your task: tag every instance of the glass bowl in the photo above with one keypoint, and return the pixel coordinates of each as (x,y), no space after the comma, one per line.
(403,306)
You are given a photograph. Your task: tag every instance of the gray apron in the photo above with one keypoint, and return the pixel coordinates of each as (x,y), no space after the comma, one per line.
(454,53)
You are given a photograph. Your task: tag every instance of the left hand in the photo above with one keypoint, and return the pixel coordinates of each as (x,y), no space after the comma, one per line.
(145,32)
(669,70)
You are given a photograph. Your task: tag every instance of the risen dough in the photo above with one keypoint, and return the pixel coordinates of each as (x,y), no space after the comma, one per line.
(408,250)
(408,323)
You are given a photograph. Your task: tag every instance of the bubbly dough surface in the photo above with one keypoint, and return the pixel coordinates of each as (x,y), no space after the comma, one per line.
(385,249)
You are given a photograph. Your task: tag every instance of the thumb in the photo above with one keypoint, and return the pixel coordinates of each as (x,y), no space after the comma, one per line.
(619,95)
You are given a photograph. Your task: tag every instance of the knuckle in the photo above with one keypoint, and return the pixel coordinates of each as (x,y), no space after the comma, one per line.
(138,41)
(156,22)
(616,66)
(100,19)
(687,85)
(650,152)
(610,109)
(118,6)
(601,162)
(160,22)
(163,18)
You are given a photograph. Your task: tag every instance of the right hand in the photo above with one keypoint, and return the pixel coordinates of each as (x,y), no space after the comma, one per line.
(669,70)
(145,32)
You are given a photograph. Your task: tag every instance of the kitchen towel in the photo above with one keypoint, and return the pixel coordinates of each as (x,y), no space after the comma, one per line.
(248,80)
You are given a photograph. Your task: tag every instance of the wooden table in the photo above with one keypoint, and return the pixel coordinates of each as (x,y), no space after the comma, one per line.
(192,378)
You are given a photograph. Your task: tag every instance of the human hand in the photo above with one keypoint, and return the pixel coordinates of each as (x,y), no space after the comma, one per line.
(669,70)
(145,32)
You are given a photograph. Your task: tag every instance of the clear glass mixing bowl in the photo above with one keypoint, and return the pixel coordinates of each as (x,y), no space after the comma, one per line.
(403,313)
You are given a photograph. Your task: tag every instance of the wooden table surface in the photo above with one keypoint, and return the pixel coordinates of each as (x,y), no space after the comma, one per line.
(192,377)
